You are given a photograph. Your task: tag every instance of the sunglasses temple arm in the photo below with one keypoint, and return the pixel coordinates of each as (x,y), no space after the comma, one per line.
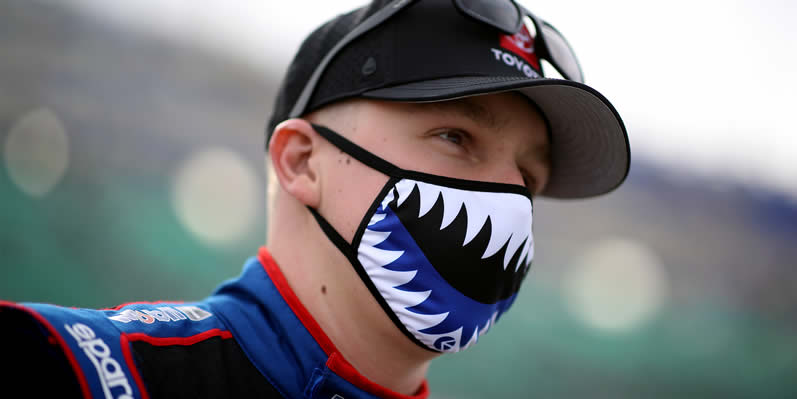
(544,50)
(369,23)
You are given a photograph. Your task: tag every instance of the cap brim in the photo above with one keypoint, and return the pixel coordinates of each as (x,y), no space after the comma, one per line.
(590,154)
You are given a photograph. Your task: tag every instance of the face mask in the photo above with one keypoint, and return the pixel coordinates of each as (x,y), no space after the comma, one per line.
(444,257)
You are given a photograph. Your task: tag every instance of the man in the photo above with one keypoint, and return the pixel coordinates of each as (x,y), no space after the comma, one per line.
(406,145)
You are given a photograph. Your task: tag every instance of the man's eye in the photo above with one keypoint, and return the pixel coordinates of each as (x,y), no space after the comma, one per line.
(453,136)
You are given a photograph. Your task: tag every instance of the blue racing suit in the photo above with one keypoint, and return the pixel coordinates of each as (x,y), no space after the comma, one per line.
(251,338)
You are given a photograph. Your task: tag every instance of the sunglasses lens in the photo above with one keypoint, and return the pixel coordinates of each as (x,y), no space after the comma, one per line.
(503,15)
(562,56)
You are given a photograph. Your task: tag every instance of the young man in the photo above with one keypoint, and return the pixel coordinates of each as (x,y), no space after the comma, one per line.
(407,143)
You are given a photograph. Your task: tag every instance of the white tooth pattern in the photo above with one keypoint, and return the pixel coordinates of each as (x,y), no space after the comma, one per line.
(404,188)
(476,219)
(472,339)
(492,321)
(389,197)
(373,237)
(376,218)
(531,248)
(429,195)
(375,255)
(451,210)
(390,278)
(373,259)
(417,321)
(510,215)
(526,248)
(478,332)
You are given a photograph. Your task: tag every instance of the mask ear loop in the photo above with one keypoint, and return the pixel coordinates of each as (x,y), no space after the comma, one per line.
(334,236)
(357,152)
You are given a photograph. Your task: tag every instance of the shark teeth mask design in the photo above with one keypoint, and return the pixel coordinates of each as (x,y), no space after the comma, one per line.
(448,262)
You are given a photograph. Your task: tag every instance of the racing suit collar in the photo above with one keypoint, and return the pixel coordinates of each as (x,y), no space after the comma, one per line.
(336,362)
(284,342)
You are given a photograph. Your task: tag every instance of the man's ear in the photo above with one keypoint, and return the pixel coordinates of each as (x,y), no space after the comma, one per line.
(291,148)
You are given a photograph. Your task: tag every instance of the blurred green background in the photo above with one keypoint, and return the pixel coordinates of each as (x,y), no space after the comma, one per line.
(132,169)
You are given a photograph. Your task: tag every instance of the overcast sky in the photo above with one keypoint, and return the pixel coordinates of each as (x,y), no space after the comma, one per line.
(704,86)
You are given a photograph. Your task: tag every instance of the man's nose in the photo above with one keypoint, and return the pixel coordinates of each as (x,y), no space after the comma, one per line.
(508,172)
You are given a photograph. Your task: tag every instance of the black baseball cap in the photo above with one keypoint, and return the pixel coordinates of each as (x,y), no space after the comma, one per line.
(437,50)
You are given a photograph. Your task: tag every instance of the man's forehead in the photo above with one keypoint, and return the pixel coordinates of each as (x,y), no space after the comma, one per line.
(492,115)
(483,113)
(486,111)
(469,108)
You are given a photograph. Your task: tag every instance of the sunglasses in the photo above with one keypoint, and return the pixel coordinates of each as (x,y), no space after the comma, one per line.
(504,15)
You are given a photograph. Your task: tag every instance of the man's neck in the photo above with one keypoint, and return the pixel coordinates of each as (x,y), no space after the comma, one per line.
(332,292)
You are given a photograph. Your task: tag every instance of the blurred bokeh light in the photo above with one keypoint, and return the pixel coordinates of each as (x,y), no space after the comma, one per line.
(642,293)
(215,196)
(37,152)
(132,139)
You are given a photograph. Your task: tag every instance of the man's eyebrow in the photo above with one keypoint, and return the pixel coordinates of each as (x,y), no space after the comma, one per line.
(477,113)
